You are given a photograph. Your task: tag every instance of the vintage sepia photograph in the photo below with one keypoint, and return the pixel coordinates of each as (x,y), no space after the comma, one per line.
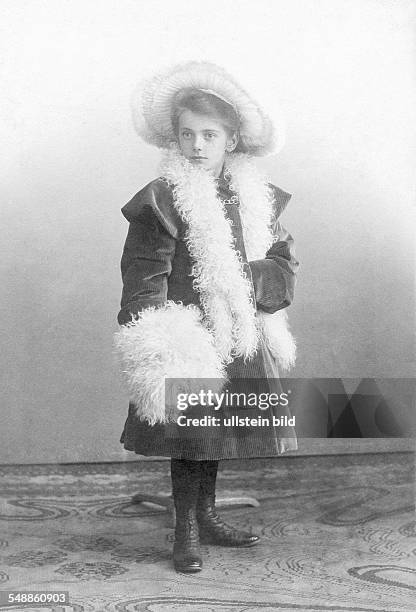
(208,296)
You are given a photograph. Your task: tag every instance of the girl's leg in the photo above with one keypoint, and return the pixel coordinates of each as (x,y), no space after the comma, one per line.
(212,529)
(186,477)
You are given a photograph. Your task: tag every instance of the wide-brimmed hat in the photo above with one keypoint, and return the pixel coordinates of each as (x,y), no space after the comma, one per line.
(153,98)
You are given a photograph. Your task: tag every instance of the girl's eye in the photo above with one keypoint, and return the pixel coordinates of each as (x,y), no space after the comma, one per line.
(186,135)
(210,135)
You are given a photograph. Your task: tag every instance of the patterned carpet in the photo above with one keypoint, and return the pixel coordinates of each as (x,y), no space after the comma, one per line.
(339,534)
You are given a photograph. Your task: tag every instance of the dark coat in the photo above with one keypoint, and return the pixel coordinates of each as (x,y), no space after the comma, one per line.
(156,266)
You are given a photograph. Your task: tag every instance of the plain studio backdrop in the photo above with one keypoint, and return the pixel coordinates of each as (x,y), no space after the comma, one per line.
(342,74)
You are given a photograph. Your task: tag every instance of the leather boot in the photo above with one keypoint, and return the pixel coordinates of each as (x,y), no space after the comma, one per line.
(212,530)
(185,488)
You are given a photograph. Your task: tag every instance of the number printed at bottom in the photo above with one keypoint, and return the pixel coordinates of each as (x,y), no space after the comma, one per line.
(40,598)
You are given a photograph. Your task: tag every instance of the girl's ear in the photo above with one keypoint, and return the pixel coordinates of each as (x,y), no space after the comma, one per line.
(232,142)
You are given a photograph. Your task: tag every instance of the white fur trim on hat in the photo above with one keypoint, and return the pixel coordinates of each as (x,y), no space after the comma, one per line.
(152,106)
(162,343)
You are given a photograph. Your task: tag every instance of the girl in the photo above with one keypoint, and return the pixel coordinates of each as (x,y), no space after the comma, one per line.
(207,270)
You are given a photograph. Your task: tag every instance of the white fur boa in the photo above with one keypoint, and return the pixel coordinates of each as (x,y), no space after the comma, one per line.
(225,291)
(256,204)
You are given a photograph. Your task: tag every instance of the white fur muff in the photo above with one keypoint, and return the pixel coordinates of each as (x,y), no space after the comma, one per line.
(167,342)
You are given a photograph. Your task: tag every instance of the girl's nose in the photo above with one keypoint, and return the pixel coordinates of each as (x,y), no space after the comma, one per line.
(198,143)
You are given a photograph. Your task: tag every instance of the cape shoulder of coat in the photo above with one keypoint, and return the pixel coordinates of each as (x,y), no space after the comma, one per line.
(158,196)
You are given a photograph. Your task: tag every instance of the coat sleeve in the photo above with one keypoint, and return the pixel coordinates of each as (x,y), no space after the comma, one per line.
(146,264)
(274,277)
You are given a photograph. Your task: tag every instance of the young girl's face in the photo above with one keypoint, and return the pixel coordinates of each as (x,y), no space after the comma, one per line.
(204,141)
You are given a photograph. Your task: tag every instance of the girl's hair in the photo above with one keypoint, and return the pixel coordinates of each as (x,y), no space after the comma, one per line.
(204,103)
